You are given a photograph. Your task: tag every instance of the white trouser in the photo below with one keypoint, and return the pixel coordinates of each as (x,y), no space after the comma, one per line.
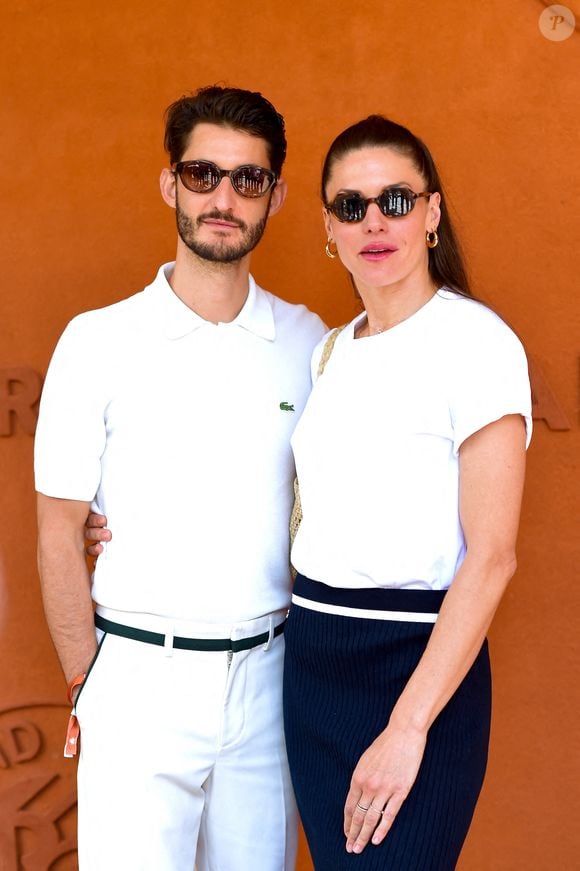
(183,760)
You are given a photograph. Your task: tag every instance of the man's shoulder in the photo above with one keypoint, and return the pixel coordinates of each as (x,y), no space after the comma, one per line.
(294,314)
(104,333)
(115,312)
(119,319)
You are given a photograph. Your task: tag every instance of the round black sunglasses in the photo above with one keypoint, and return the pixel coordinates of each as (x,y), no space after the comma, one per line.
(394,202)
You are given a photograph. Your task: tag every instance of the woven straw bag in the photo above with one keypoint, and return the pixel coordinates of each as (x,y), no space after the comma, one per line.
(296,516)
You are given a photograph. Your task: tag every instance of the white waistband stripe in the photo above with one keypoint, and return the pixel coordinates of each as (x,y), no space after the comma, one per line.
(345,611)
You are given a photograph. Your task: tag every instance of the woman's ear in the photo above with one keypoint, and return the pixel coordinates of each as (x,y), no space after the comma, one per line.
(434,211)
(327,222)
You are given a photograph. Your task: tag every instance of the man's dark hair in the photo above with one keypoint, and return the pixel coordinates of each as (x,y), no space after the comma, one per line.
(242,110)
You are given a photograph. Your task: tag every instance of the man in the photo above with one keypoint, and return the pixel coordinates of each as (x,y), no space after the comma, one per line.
(203,377)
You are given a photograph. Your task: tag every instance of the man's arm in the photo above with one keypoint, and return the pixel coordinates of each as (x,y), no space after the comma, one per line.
(65,581)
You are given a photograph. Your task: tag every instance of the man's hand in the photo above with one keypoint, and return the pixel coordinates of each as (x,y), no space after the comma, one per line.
(96,530)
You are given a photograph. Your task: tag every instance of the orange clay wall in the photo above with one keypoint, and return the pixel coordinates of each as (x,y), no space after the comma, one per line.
(84,89)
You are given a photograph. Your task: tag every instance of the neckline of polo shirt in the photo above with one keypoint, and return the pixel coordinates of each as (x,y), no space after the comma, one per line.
(256,315)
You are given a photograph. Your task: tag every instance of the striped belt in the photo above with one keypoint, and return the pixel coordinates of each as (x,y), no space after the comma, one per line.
(235,645)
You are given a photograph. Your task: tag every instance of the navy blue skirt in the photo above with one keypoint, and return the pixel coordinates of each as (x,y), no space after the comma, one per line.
(342,678)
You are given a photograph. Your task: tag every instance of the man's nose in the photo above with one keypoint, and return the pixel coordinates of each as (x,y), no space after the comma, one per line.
(224,197)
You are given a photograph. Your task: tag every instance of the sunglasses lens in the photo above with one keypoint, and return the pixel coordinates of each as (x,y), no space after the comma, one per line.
(199,176)
(396,202)
(349,208)
(252,181)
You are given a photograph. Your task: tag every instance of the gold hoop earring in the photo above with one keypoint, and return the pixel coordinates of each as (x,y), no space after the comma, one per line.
(329,251)
(432,238)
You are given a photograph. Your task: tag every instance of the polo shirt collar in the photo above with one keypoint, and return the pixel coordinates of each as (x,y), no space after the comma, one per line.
(179,320)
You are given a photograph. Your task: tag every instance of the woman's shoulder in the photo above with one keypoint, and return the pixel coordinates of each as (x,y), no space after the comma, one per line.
(471,322)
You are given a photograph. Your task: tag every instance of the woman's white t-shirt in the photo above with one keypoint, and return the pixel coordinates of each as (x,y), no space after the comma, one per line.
(377,447)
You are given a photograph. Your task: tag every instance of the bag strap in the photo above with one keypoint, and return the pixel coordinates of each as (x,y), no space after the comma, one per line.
(296,516)
(327,350)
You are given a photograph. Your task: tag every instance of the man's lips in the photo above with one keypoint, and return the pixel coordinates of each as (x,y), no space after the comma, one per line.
(377,251)
(221,221)
(223,225)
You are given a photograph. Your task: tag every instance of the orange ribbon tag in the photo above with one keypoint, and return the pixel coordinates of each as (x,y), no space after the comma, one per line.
(71,745)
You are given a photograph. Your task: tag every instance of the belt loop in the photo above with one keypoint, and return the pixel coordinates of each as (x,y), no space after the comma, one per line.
(168,644)
(268,643)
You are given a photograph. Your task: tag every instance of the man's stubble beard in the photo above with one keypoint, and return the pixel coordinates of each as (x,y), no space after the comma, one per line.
(220,251)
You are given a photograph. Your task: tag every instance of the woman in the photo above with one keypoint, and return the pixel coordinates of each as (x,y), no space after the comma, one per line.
(410,457)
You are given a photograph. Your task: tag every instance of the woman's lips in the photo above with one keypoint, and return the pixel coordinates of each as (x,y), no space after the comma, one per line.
(377,252)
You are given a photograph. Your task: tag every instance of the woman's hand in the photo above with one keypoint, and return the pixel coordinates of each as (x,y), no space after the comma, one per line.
(381,782)
(491,463)
(95,530)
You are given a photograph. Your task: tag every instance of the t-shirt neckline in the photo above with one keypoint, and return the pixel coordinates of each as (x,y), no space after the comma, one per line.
(412,319)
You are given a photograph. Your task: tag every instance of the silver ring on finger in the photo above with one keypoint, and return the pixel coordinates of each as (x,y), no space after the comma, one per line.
(361,807)
(376,810)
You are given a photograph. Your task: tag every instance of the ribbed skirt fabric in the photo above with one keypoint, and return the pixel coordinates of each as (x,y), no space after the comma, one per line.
(343,676)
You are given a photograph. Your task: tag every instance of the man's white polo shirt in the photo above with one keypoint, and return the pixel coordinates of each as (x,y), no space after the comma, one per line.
(183,441)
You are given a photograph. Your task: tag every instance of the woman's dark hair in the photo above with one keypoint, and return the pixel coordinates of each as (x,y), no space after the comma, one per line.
(228,107)
(446,265)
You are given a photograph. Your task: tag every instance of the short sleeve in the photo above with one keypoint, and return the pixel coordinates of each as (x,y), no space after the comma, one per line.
(71,432)
(490,378)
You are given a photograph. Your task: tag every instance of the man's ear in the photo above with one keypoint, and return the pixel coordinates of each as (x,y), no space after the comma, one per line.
(278,197)
(167,183)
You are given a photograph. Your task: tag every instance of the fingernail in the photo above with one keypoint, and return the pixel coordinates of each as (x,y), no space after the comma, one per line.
(357,848)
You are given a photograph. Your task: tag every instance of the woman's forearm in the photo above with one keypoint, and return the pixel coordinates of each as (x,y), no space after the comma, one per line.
(492,465)
(458,634)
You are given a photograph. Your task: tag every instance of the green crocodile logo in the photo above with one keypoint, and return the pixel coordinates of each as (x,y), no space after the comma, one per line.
(286,406)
